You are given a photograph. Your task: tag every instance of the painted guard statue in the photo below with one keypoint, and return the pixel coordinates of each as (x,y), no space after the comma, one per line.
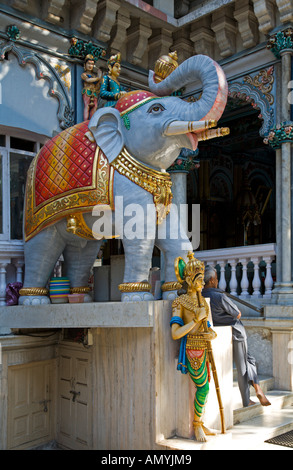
(190,324)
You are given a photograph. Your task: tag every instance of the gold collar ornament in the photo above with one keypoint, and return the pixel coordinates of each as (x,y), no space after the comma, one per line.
(155,182)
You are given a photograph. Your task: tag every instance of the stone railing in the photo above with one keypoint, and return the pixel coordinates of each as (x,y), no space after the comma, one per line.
(11,265)
(245,271)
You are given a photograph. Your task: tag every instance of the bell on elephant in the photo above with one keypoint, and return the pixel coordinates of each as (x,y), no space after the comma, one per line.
(72,225)
(123,172)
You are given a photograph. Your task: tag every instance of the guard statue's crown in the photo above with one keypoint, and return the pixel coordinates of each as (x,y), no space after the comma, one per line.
(194,266)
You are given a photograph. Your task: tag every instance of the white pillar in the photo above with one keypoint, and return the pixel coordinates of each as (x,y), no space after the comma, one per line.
(278,218)
(256,279)
(3,265)
(222,281)
(269,279)
(179,191)
(233,280)
(244,280)
(19,263)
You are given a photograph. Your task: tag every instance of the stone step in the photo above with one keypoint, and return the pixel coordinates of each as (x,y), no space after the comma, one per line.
(279,399)
(248,435)
(266,383)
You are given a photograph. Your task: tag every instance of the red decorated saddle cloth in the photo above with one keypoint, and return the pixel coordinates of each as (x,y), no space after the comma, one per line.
(69,175)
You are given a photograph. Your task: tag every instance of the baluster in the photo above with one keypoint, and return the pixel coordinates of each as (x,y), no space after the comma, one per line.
(244,283)
(233,280)
(269,278)
(256,279)
(222,281)
(3,265)
(18,263)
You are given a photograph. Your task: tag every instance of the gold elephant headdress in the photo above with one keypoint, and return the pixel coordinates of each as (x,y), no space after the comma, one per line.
(131,101)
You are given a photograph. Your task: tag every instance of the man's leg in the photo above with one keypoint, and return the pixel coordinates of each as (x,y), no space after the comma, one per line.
(247,374)
(239,357)
(253,380)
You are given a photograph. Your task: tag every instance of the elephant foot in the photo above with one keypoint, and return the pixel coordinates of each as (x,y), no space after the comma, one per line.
(169,295)
(136,296)
(86,291)
(87,298)
(170,290)
(135,291)
(33,300)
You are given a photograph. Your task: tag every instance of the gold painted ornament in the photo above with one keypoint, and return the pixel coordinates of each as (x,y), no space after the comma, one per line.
(165,65)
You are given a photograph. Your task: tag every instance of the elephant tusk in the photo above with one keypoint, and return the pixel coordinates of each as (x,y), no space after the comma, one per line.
(213,133)
(184,127)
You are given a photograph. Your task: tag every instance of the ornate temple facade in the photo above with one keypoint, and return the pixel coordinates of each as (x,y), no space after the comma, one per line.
(243,181)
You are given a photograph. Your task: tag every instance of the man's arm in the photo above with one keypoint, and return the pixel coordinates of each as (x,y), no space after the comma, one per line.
(230,307)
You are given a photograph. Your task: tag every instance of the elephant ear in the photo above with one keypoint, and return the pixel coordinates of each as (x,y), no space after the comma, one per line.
(105,125)
(179,266)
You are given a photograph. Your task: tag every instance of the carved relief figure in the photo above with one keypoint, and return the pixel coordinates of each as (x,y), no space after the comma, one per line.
(111,90)
(91,85)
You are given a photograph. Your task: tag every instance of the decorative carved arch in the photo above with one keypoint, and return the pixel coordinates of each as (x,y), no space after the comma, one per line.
(221,179)
(247,92)
(44,70)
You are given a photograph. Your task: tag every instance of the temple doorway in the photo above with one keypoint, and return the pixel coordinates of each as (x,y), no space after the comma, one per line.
(235,183)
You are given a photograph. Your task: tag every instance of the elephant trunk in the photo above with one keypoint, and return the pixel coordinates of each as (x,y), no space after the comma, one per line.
(214,88)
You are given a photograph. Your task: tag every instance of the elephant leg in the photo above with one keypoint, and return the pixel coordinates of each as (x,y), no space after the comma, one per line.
(138,261)
(41,254)
(79,256)
(173,242)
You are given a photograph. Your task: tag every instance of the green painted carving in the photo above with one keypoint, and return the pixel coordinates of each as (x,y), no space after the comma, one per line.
(13,33)
(186,162)
(281,41)
(81,49)
(280,134)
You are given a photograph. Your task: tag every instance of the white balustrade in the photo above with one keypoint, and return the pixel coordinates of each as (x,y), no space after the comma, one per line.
(243,271)
(11,256)
(12,265)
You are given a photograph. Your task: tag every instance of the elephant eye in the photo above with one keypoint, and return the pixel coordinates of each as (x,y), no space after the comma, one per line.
(156,108)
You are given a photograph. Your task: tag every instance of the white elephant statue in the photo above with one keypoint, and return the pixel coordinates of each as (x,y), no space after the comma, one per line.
(117,159)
